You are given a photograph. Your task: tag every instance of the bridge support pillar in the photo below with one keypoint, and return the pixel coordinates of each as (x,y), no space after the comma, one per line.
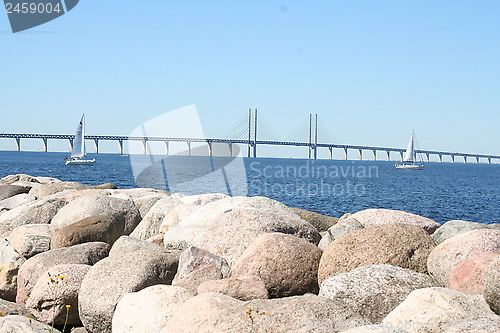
(18,144)
(427,157)
(70,144)
(120,146)
(489,160)
(452,158)
(360,154)
(374,154)
(345,154)
(230,149)
(167,148)
(96,142)
(388,155)
(401,154)
(315,152)
(255,149)
(330,153)
(465,159)
(45,145)
(189,147)
(145,146)
(210,151)
(477,159)
(440,158)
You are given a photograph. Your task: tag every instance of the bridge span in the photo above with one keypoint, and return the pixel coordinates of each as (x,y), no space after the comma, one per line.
(252,144)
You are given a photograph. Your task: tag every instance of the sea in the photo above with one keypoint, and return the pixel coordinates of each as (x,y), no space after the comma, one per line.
(441,192)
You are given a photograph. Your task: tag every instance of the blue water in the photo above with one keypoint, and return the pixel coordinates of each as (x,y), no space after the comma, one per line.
(442,191)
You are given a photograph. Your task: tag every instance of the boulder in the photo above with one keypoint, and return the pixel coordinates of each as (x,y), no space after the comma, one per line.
(437,309)
(455,227)
(10,308)
(31,239)
(202,199)
(325,240)
(288,265)
(319,221)
(492,285)
(21,324)
(468,276)
(344,227)
(16,201)
(33,268)
(145,203)
(372,217)
(48,189)
(243,224)
(8,191)
(176,215)
(132,265)
(480,325)
(193,258)
(213,312)
(376,290)
(10,261)
(244,288)
(150,224)
(452,251)
(37,212)
(56,290)
(123,211)
(20,177)
(148,310)
(402,245)
(96,228)
(374,329)
(194,279)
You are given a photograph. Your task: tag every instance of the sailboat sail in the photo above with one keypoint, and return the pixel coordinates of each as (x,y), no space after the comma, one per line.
(410,152)
(79,142)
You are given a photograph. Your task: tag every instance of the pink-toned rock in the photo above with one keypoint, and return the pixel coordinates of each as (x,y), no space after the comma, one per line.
(31,239)
(194,258)
(244,288)
(402,245)
(452,251)
(468,275)
(63,282)
(371,217)
(194,279)
(288,265)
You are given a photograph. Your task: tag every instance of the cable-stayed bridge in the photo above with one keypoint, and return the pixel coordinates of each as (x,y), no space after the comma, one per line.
(247,131)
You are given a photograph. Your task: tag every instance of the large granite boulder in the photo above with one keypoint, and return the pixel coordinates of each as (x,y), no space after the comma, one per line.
(451,252)
(455,227)
(193,258)
(8,191)
(12,308)
(319,221)
(10,262)
(244,288)
(375,290)
(468,275)
(214,312)
(22,324)
(96,228)
(54,297)
(31,239)
(402,245)
(16,201)
(148,310)
(288,265)
(437,309)
(132,265)
(344,227)
(33,268)
(372,217)
(379,328)
(492,285)
(123,211)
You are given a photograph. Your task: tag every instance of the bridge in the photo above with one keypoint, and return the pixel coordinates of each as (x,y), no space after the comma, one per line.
(252,143)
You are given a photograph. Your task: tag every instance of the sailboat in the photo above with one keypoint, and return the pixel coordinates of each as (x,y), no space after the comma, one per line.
(78,151)
(410,161)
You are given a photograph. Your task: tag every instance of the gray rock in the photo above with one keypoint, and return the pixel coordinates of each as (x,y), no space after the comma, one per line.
(214,312)
(375,290)
(148,310)
(288,265)
(91,205)
(16,201)
(194,279)
(8,191)
(193,258)
(54,291)
(452,251)
(436,310)
(150,224)
(10,308)
(10,261)
(492,285)
(455,227)
(33,268)
(31,239)
(373,217)
(319,221)
(132,265)
(21,324)
(375,329)
(48,189)
(97,228)
(344,227)
(145,203)
(480,325)
(244,288)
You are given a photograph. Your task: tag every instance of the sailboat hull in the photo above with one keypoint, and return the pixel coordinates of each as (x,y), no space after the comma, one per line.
(409,166)
(80,162)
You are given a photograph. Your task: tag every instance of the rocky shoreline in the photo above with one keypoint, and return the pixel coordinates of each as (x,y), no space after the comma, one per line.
(100,259)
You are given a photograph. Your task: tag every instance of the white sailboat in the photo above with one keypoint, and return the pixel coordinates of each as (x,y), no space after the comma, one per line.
(410,159)
(78,151)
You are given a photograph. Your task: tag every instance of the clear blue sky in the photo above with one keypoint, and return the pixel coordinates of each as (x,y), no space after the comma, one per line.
(372,70)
